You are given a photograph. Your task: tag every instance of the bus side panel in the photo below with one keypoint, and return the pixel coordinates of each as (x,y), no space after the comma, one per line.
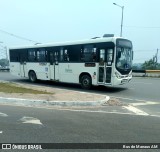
(70,72)
(41,70)
(67,72)
(15,68)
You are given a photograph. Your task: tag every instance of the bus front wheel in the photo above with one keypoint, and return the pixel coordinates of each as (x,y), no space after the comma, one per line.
(32,76)
(86,82)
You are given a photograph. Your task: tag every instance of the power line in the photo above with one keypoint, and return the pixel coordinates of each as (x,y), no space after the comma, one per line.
(19,37)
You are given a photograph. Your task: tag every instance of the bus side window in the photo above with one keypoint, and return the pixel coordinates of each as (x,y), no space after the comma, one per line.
(72,53)
(14,55)
(51,58)
(82,55)
(66,55)
(94,55)
(102,57)
(61,54)
(109,55)
(32,55)
(41,55)
(88,54)
(56,56)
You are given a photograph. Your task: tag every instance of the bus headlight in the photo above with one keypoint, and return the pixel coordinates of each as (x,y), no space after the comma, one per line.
(117,75)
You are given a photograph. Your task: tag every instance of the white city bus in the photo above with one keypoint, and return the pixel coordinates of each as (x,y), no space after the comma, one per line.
(103,61)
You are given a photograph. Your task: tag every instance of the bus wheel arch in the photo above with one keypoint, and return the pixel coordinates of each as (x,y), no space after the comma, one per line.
(85,80)
(32,76)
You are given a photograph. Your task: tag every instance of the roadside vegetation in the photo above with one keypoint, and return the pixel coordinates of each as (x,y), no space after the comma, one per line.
(12,88)
(151,64)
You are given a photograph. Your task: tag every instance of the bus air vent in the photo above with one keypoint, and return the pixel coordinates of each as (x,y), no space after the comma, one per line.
(108,35)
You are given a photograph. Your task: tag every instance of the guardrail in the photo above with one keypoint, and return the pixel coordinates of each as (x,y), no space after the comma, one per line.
(152,71)
(4,69)
(146,71)
(149,73)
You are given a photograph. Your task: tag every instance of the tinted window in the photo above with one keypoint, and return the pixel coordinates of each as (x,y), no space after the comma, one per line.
(32,55)
(23,55)
(72,53)
(89,53)
(14,55)
(52,54)
(124,43)
(61,57)
(106,51)
(41,55)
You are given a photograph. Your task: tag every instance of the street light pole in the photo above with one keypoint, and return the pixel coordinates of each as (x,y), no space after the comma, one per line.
(122,7)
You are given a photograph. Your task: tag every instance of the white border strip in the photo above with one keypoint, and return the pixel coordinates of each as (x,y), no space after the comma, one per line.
(136,110)
(3,114)
(144,104)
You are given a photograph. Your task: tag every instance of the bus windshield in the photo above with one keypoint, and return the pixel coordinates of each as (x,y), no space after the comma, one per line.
(124,58)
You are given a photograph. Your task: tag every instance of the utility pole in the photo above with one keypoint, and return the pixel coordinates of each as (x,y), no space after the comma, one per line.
(155,57)
(122,7)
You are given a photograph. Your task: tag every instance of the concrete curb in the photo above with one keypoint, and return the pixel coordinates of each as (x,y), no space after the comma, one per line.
(28,102)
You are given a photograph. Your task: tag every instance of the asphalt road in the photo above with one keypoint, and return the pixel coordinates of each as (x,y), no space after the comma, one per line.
(110,124)
(141,92)
(40,125)
(139,88)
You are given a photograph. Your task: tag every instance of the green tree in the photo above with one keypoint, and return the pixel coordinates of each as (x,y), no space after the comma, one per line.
(134,67)
(4,62)
(150,65)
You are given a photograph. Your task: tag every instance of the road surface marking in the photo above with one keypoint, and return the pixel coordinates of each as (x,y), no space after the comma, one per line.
(142,113)
(132,99)
(31,120)
(155,115)
(136,110)
(94,111)
(19,99)
(144,103)
(3,114)
(1,132)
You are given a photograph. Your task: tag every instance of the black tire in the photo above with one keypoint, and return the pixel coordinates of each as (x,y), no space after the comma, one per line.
(32,76)
(86,82)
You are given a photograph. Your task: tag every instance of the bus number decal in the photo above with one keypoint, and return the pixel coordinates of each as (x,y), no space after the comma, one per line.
(90,64)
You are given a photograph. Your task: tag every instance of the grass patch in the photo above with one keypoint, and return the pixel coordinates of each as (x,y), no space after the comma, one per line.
(10,88)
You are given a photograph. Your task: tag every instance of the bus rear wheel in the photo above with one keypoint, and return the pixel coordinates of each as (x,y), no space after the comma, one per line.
(32,76)
(86,82)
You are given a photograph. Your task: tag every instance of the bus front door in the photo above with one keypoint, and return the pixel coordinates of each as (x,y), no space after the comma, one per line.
(23,64)
(105,67)
(54,66)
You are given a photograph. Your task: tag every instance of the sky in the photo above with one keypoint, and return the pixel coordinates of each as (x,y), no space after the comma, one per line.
(46,21)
